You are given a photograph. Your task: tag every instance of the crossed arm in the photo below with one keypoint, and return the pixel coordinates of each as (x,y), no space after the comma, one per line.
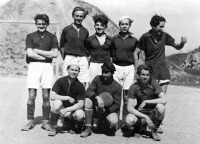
(41,54)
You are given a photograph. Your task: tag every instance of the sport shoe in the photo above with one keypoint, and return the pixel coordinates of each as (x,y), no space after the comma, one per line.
(159,130)
(155,136)
(28,126)
(52,132)
(45,125)
(87,132)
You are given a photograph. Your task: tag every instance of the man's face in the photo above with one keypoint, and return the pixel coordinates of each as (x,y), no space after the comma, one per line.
(125,25)
(144,76)
(100,27)
(73,71)
(78,17)
(160,28)
(106,75)
(41,25)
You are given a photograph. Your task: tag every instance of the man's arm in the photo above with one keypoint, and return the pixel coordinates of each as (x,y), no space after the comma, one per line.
(90,92)
(55,96)
(180,45)
(136,58)
(48,54)
(161,100)
(31,54)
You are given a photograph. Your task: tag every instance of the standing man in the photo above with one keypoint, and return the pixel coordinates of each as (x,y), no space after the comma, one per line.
(98,46)
(41,48)
(153,44)
(146,103)
(72,44)
(95,106)
(123,47)
(68,95)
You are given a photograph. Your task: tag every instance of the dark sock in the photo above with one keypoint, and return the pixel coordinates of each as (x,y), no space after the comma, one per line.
(88,117)
(30,111)
(46,112)
(54,118)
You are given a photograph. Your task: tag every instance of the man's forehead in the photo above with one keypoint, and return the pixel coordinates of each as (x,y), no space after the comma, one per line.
(145,71)
(40,21)
(79,13)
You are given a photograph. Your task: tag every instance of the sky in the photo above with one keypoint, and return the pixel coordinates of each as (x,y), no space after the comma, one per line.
(183,17)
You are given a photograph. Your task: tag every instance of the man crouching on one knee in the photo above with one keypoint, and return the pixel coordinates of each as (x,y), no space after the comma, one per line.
(68,93)
(102,102)
(146,104)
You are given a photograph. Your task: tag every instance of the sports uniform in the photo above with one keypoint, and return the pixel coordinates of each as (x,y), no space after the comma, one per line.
(155,54)
(99,54)
(73,42)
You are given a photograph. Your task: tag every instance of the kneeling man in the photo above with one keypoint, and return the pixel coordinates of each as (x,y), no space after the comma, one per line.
(68,93)
(97,106)
(146,102)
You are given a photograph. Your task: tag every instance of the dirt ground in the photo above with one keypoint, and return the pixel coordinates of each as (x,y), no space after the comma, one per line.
(181,124)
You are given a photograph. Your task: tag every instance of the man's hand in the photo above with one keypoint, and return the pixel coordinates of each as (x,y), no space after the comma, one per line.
(150,123)
(62,112)
(71,100)
(142,105)
(183,40)
(100,102)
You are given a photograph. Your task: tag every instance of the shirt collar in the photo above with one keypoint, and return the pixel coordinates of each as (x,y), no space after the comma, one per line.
(94,36)
(149,86)
(129,35)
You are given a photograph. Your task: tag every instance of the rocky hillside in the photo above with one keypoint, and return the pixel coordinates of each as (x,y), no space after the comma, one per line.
(12,38)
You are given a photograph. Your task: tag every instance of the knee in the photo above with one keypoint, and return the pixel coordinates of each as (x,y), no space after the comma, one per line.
(79,115)
(88,103)
(57,104)
(45,96)
(32,97)
(160,108)
(113,119)
(130,119)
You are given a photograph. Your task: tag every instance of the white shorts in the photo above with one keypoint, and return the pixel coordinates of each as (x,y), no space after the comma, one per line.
(95,69)
(83,76)
(124,75)
(40,74)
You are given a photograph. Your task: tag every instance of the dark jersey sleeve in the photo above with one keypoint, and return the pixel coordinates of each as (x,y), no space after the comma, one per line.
(57,86)
(88,46)
(62,38)
(90,92)
(81,95)
(157,87)
(142,43)
(29,43)
(54,43)
(132,92)
(169,40)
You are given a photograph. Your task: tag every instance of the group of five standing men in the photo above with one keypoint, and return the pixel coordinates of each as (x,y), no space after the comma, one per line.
(109,65)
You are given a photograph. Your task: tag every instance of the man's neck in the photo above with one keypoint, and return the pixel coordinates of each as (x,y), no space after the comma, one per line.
(124,34)
(77,26)
(100,34)
(71,79)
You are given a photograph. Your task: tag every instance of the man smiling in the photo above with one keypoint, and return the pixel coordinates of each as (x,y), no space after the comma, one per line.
(98,46)
(41,48)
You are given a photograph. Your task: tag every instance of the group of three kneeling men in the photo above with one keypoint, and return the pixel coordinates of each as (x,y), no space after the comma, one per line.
(145,104)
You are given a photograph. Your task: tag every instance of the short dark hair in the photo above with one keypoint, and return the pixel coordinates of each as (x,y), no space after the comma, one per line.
(109,67)
(79,8)
(144,67)
(156,19)
(42,17)
(100,18)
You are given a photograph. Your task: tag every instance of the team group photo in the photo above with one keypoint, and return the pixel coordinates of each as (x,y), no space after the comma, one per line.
(108,86)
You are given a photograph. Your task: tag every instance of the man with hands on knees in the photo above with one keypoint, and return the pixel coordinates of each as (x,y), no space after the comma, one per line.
(146,104)
(68,95)
(102,102)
